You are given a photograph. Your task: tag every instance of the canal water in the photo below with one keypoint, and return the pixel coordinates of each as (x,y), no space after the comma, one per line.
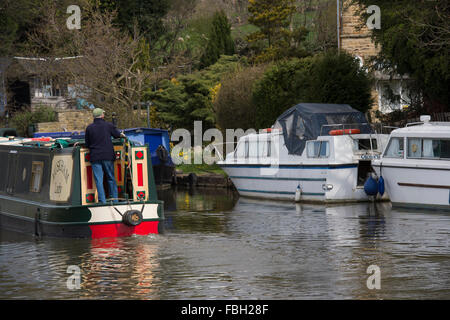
(219,246)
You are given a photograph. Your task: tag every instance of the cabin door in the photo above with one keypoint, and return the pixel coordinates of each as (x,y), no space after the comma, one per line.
(12,168)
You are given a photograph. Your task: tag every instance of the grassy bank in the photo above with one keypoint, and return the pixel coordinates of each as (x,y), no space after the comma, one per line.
(201,169)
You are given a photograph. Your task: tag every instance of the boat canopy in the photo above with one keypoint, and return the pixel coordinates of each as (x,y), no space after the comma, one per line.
(307,121)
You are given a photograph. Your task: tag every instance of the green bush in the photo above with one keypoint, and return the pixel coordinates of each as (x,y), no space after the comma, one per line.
(325,78)
(24,119)
(181,101)
(233,103)
(281,87)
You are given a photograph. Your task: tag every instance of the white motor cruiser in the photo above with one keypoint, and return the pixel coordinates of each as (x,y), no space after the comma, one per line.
(415,166)
(314,152)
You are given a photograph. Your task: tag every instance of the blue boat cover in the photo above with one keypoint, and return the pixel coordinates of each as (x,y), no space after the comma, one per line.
(305,122)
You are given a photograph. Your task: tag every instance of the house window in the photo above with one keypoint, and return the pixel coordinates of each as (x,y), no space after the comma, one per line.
(45,88)
(37,168)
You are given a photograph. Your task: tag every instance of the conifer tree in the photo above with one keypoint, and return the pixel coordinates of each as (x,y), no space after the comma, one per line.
(273,17)
(219,40)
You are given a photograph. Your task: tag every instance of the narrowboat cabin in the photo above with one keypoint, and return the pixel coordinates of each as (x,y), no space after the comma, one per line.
(47,189)
(313,152)
(415,167)
(157,140)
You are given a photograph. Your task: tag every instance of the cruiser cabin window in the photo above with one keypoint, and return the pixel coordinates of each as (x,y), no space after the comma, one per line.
(317,149)
(240,150)
(395,148)
(433,148)
(365,144)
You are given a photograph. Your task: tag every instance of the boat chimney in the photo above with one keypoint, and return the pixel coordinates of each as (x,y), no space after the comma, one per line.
(425,119)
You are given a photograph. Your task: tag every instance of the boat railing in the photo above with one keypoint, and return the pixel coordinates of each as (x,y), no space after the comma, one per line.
(373,128)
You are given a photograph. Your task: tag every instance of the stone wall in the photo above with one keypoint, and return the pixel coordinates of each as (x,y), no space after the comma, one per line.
(70,120)
(355,39)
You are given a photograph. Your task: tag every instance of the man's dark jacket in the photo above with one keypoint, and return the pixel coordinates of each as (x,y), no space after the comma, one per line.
(98,140)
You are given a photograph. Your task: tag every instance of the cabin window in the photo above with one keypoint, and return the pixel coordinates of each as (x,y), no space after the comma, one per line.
(318,149)
(428,148)
(262,145)
(36,176)
(364,144)
(395,148)
(414,148)
(444,148)
(253,149)
(269,148)
(246,148)
(240,150)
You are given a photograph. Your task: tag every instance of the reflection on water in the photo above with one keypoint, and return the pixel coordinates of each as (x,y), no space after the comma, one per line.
(219,246)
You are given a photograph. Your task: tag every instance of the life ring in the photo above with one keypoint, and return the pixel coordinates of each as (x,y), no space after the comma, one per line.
(46,139)
(162,153)
(346,131)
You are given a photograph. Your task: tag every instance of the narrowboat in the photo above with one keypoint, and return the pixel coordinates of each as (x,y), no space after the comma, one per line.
(415,167)
(47,189)
(157,140)
(314,152)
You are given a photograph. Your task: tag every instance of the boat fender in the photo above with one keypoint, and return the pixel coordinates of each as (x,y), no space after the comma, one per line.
(298,193)
(132,218)
(162,153)
(381,186)
(371,186)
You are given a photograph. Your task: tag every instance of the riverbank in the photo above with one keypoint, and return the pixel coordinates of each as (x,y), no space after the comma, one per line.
(202,175)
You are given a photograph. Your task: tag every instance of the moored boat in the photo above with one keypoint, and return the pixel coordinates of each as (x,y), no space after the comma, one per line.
(415,166)
(47,188)
(157,140)
(313,152)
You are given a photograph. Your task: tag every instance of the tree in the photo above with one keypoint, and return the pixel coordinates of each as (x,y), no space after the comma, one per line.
(276,37)
(188,98)
(17,18)
(107,67)
(233,104)
(219,40)
(414,40)
(281,87)
(325,78)
(146,14)
(338,78)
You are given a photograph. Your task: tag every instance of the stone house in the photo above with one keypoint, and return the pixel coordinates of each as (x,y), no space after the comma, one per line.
(28,87)
(357,41)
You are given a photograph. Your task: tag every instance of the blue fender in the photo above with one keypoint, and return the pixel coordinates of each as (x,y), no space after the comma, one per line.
(381,185)
(371,187)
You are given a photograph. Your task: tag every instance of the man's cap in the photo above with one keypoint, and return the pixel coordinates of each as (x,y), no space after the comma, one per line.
(97,112)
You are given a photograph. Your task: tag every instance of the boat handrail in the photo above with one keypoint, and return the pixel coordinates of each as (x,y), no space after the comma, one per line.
(435,123)
(414,123)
